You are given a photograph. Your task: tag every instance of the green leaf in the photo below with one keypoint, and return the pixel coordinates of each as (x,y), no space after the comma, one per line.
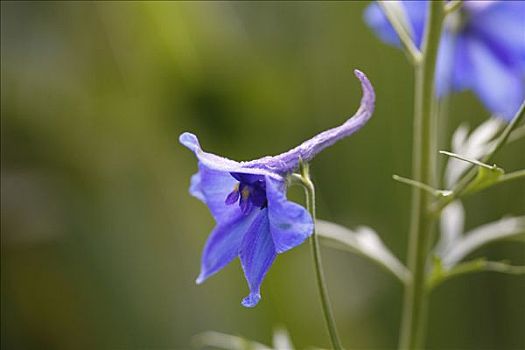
(484,178)
(506,228)
(440,274)
(365,242)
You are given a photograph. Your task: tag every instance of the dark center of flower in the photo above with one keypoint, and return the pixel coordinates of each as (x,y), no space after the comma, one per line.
(250,192)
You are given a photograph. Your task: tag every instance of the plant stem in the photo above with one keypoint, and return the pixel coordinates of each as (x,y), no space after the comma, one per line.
(512,176)
(424,166)
(424,187)
(318,264)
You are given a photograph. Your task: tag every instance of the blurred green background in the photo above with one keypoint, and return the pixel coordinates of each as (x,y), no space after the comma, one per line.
(101,241)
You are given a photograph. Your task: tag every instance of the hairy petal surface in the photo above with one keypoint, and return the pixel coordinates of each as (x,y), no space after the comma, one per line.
(257,254)
(224,243)
(275,166)
(290,223)
(215,162)
(265,222)
(289,161)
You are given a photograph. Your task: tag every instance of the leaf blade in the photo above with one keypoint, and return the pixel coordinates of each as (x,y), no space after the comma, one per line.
(365,242)
(510,227)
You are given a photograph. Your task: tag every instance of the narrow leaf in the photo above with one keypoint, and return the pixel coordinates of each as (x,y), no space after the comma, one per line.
(440,274)
(365,242)
(452,223)
(506,228)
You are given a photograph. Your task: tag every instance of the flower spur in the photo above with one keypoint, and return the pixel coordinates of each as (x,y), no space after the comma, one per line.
(254,219)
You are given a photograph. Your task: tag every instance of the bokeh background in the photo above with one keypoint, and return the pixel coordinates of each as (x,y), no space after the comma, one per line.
(100,239)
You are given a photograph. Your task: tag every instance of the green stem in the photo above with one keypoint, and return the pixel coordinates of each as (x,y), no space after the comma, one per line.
(318,264)
(434,192)
(424,167)
(511,176)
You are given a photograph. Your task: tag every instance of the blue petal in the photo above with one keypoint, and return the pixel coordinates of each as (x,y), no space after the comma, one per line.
(289,161)
(462,76)
(290,223)
(257,254)
(215,162)
(223,243)
(502,26)
(445,64)
(195,187)
(499,87)
(276,166)
(375,19)
(417,15)
(415,12)
(213,187)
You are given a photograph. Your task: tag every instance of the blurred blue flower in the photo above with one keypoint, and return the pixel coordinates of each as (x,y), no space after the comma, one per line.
(254,220)
(482,49)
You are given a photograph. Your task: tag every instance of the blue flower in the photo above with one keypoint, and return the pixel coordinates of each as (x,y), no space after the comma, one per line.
(482,49)
(254,220)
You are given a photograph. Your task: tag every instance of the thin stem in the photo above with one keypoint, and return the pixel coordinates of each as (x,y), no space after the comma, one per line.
(517,133)
(468,160)
(503,137)
(318,264)
(393,16)
(463,183)
(511,176)
(424,169)
(420,185)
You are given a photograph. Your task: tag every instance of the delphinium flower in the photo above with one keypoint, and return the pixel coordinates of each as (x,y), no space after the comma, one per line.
(482,49)
(254,219)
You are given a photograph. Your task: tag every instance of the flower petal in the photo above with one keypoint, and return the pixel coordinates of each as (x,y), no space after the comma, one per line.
(462,76)
(376,19)
(445,64)
(502,27)
(415,12)
(213,187)
(223,243)
(289,161)
(290,223)
(286,162)
(498,86)
(257,254)
(215,162)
